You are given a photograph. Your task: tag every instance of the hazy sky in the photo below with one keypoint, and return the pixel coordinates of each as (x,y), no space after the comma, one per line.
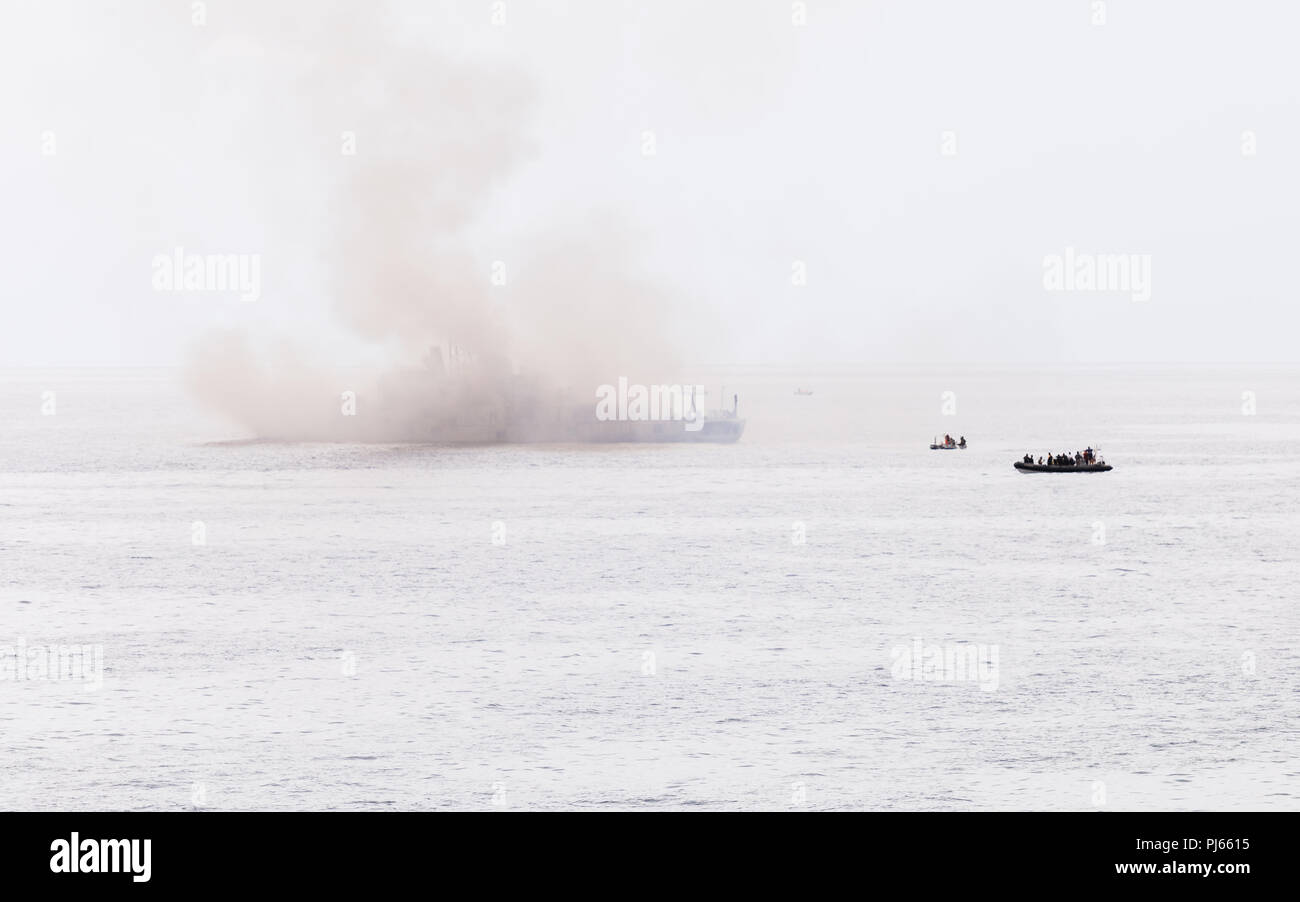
(917,160)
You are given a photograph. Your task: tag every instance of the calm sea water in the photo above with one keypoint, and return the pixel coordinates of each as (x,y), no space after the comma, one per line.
(361,626)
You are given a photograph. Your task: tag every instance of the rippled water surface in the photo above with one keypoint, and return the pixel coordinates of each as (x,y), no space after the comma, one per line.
(670,626)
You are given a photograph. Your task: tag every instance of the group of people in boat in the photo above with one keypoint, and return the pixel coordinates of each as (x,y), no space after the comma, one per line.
(948,440)
(1079,459)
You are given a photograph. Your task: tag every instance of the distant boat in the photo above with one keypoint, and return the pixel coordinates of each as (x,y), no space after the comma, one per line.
(1054,468)
(949,445)
(1088,462)
(803,391)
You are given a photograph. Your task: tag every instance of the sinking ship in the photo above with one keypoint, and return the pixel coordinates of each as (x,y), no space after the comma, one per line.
(450,399)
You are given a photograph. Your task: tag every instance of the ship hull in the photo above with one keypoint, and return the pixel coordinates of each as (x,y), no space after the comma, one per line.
(1046,468)
(727,430)
(716,431)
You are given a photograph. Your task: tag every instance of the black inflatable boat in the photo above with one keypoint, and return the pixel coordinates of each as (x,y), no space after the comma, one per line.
(1054,468)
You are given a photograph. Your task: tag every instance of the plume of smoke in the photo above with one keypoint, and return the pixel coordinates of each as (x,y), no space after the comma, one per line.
(276,392)
(432,139)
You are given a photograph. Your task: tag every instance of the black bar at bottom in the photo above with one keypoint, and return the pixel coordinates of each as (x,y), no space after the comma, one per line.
(671,851)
